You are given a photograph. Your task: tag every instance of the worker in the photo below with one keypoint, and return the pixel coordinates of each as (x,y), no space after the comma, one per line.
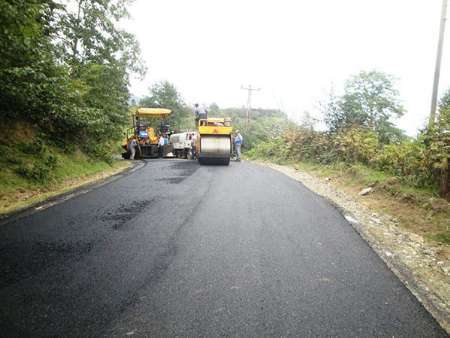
(161,146)
(132,145)
(238,139)
(200,113)
(193,140)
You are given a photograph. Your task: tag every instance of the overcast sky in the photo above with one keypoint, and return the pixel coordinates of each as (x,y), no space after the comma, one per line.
(295,51)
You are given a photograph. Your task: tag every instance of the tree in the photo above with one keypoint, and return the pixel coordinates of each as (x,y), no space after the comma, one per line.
(370,101)
(100,57)
(89,33)
(65,69)
(440,146)
(30,78)
(165,95)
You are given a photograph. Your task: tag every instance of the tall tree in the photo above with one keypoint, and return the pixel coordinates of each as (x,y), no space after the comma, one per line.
(89,33)
(29,75)
(101,57)
(370,100)
(165,95)
(440,146)
(65,67)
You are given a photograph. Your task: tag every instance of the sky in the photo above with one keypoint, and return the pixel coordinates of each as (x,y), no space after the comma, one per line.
(295,51)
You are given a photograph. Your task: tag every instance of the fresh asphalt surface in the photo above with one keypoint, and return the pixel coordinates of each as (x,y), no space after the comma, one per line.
(178,249)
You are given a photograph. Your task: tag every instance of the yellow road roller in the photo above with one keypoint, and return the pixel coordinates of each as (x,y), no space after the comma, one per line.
(213,145)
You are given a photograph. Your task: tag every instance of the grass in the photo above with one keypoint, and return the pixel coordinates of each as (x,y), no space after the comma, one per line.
(443,238)
(33,171)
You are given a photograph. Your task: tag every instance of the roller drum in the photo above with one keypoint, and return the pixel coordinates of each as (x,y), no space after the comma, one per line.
(215,149)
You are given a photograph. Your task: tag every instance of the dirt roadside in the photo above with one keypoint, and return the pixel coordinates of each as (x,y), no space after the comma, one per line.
(414,260)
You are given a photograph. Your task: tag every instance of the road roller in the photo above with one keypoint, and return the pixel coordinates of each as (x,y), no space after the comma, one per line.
(213,145)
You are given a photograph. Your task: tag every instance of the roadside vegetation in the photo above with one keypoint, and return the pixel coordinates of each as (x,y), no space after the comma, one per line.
(34,171)
(64,73)
(362,148)
(263,124)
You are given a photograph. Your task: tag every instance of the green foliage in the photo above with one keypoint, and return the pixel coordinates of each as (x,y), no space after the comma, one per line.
(64,69)
(165,95)
(39,163)
(369,101)
(407,160)
(442,237)
(265,124)
(440,134)
(307,144)
(356,145)
(273,150)
(89,34)
(29,74)
(410,161)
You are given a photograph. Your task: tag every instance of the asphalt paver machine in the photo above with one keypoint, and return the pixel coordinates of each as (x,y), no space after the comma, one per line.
(143,130)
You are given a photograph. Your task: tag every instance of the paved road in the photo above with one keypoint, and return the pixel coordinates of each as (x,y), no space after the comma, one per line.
(175,249)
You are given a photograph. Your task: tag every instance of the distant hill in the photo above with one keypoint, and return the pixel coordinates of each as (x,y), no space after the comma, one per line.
(264,123)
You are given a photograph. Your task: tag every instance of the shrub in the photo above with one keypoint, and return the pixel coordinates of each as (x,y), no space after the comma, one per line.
(414,162)
(407,160)
(356,145)
(40,164)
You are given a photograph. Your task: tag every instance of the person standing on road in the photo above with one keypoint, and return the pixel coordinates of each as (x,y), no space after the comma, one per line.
(238,139)
(161,143)
(193,140)
(132,147)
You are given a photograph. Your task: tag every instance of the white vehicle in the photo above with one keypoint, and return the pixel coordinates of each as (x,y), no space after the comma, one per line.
(181,143)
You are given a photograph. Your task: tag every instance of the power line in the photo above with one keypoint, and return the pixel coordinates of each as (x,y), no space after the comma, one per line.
(250,91)
(437,70)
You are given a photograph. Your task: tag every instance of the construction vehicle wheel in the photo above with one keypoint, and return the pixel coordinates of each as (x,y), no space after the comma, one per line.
(138,153)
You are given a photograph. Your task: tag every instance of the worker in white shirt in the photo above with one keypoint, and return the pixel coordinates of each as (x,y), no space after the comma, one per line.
(193,144)
(132,145)
(161,146)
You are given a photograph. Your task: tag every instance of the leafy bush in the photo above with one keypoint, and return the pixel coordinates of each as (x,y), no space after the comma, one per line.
(356,145)
(407,160)
(33,160)
(273,150)
(412,161)
(39,170)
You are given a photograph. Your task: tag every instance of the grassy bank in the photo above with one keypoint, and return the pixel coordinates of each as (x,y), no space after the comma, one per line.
(419,210)
(33,170)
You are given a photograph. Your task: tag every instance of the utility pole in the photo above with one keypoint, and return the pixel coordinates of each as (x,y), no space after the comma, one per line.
(250,91)
(437,70)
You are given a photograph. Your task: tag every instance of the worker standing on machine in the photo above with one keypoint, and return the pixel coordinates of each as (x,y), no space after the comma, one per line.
(200,113)
(238,139)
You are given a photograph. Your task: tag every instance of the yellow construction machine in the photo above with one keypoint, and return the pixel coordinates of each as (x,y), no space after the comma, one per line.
(213,145)
(144,133)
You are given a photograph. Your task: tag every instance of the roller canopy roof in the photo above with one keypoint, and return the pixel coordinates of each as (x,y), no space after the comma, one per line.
(153,112)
